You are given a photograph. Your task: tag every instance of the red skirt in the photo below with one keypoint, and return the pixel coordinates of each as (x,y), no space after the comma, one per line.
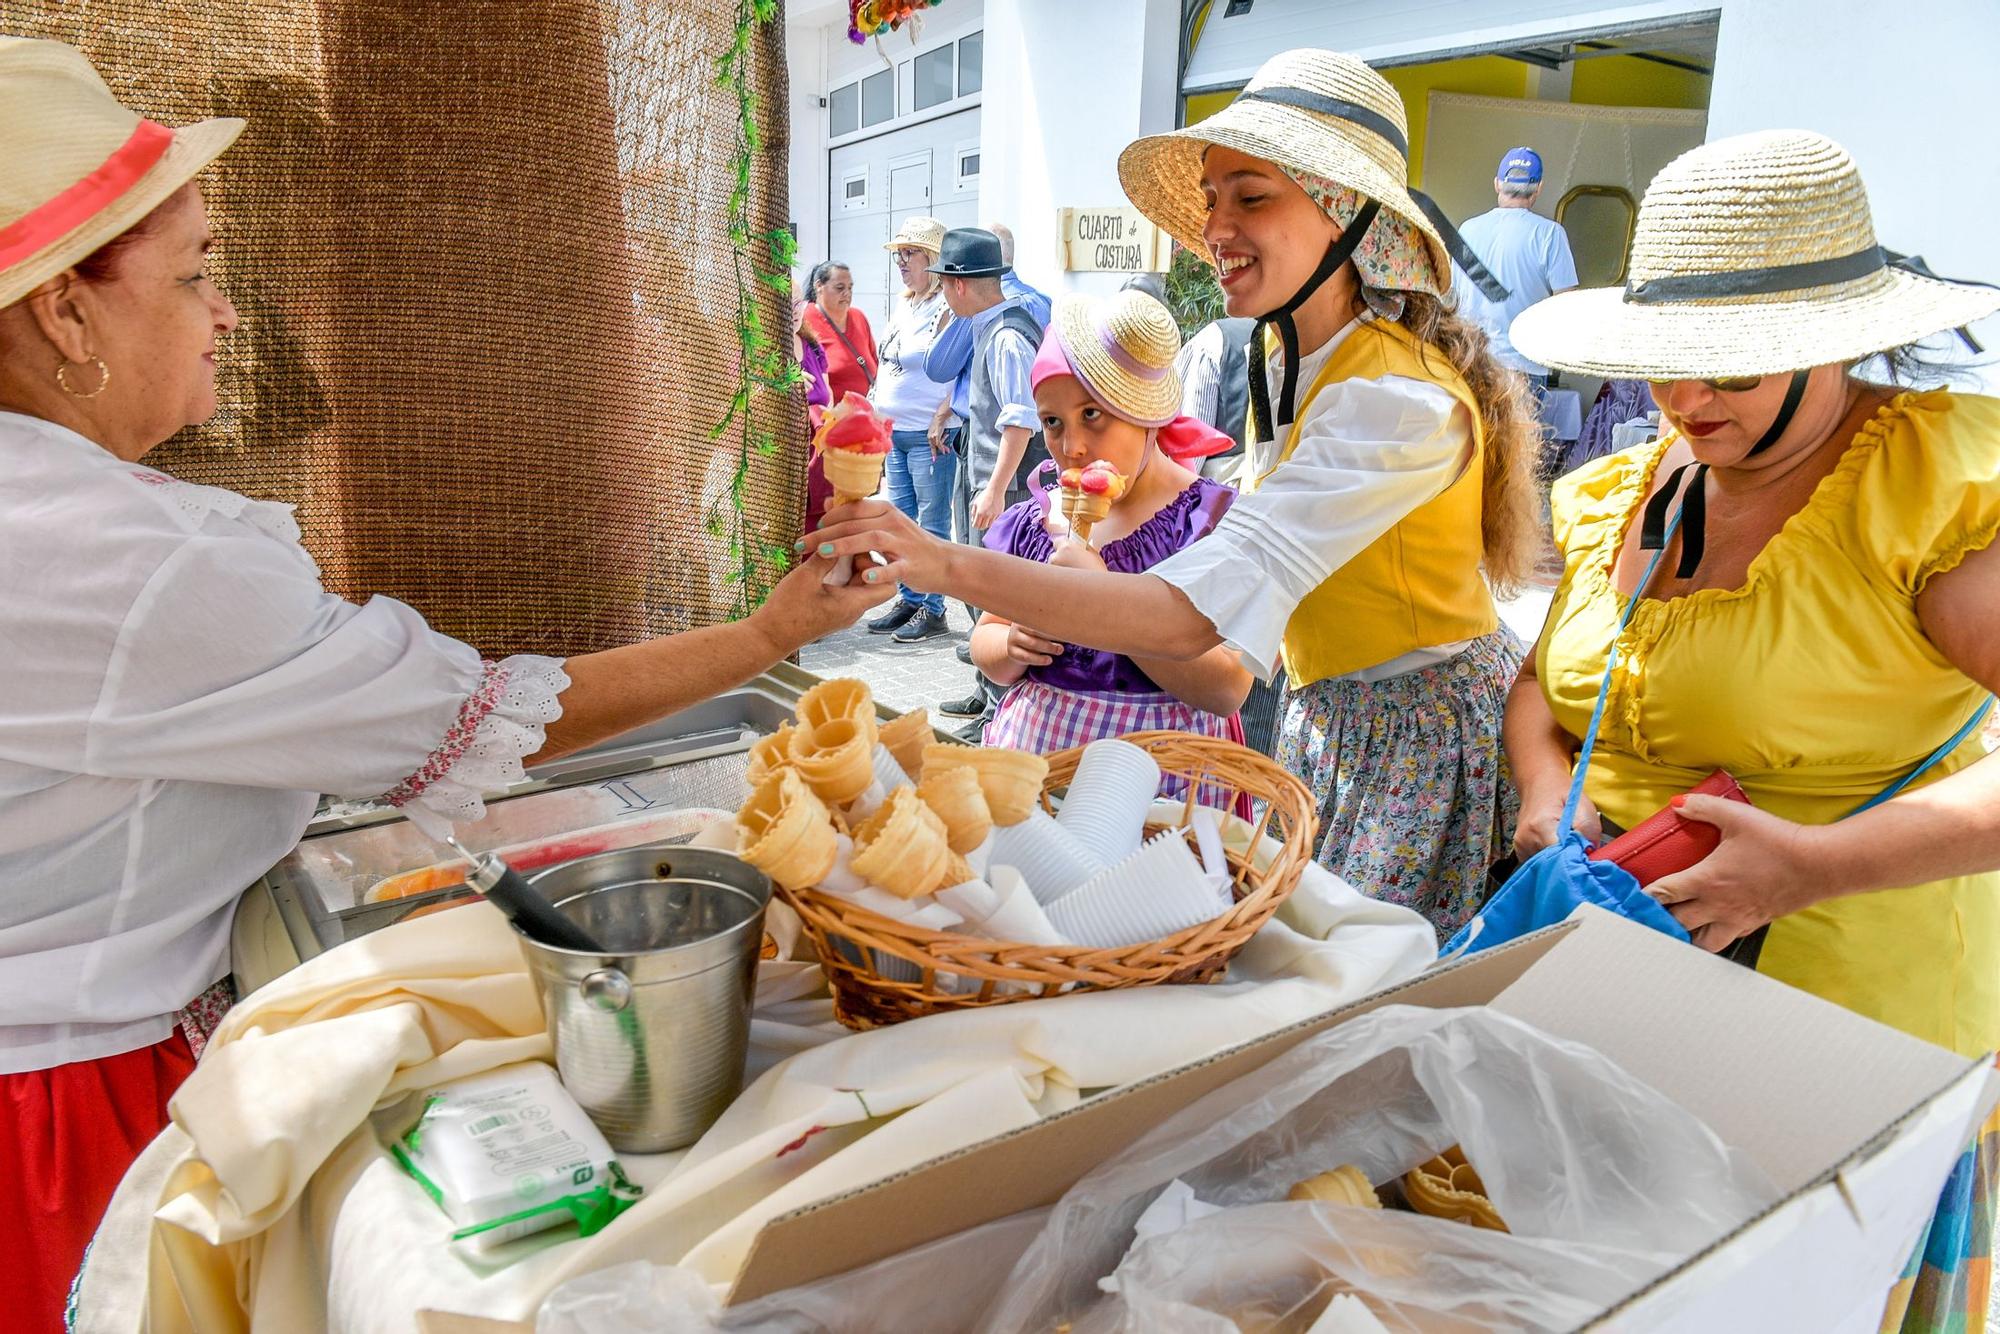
(66,1137)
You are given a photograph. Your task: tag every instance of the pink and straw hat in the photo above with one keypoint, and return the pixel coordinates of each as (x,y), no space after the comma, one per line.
(80,168)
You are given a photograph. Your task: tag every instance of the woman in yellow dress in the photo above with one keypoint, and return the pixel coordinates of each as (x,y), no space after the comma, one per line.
(1820,622)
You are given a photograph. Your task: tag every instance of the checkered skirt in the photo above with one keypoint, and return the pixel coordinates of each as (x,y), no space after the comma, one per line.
(1044,718)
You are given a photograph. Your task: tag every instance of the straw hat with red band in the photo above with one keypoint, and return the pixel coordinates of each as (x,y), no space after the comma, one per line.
(1121,349)
(80,168)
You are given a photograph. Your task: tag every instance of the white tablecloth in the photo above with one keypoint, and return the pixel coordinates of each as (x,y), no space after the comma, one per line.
(277,1208)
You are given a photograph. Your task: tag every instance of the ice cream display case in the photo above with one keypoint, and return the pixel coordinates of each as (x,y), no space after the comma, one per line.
(361,866)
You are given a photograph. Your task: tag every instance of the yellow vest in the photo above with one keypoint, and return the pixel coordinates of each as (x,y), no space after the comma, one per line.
(1418,585)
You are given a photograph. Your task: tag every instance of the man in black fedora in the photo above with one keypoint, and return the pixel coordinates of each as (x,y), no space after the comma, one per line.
(1002,437)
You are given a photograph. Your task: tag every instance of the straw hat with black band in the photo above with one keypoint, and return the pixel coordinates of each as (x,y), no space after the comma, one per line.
(81,169)
(1752,256)
(1315,114)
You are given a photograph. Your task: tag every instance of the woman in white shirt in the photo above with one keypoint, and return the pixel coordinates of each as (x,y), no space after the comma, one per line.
(179,686)
(920,474)
(1397,479)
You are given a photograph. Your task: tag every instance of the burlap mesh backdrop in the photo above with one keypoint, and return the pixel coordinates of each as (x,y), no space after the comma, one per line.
(481,253)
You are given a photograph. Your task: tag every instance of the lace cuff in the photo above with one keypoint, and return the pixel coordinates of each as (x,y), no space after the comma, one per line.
(503,719)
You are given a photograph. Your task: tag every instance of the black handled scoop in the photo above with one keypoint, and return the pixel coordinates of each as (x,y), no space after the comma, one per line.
(536,917)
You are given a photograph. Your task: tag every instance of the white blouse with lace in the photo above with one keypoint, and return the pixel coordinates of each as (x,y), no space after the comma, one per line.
(176,688)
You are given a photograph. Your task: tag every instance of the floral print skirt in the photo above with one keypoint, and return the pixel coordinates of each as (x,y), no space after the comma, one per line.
(1415,802)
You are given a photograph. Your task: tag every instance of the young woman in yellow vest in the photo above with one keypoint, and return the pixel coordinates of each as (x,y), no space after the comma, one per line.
(1395,483)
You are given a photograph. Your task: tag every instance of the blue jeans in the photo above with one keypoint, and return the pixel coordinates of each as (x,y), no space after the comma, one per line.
(920,486)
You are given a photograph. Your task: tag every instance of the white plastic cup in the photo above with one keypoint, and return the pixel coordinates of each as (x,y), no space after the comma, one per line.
(1048,856)
(1106,805)
(1155,893)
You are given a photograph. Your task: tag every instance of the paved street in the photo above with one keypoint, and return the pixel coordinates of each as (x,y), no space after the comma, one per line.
(903,676)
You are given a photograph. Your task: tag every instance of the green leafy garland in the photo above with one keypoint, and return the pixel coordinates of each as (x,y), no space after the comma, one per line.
(763,259)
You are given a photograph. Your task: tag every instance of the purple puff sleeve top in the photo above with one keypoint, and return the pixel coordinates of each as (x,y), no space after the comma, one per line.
(1185,519)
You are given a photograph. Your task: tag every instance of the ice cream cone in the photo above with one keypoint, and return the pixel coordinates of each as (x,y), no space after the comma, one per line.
(906,738)
(1084,511)
(902,849)
(840,698)
(1011,779)
(855,475)
(836,758)
(1448,1187)
(785,832)
(959,800)
(770,754)
(1343,1185)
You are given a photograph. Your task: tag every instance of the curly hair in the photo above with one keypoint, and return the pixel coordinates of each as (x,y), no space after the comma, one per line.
(1512,520)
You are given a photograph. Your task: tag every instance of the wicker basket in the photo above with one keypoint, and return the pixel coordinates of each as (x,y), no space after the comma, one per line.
(850,939)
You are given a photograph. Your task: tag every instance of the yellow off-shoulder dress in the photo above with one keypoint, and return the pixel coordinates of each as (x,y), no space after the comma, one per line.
(1814,684)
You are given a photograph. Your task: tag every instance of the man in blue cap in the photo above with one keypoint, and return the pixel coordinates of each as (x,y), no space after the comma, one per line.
(1527,252)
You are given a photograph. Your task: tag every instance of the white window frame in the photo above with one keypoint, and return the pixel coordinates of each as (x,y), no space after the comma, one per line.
(856,203)
(961,183)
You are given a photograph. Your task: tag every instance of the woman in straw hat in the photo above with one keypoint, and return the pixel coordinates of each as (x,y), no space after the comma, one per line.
(1821,619)
(1108,397)
(179,686)
(1395,460)
(920,474)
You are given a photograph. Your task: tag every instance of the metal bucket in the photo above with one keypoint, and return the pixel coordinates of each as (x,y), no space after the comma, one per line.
(650,1036)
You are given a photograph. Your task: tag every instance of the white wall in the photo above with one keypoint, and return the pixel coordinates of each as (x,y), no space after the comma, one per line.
(1909,93)
(1068,85)
(805,62)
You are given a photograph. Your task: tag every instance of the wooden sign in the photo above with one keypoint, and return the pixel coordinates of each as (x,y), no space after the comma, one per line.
(1113,240)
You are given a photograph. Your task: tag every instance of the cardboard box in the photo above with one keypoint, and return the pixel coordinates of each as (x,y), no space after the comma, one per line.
(1856,1123)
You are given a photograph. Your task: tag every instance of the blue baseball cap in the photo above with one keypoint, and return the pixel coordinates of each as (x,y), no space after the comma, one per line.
(1521,165)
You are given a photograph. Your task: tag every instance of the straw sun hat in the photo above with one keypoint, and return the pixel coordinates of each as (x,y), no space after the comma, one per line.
(1753,255)
(80,169)
(1122,348)
(923,233)
(1320,112)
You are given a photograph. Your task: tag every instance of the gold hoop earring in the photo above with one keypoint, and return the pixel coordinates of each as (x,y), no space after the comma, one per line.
(62,376)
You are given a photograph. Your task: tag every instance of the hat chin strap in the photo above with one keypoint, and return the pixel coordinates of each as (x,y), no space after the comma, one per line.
(1694,514)
(1337,254)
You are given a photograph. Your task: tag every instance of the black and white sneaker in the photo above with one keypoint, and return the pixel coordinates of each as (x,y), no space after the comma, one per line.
(972,706)
(926,624)
(894,618)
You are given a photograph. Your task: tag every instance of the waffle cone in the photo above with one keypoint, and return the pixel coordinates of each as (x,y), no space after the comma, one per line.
(906,738)
(1343,1185)
(902,849)
(785,832)
(1084,510)
(1449,1187)
(843,698)
(1011,779)
(836,759)
(770,754)
(958,799)
(855,476)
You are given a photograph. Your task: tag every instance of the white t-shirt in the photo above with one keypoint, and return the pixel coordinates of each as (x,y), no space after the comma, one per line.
(903,393)
(1369,453)
(1530,255)
(179,688)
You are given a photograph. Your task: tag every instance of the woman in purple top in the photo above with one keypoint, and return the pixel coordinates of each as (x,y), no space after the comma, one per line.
(1106,391)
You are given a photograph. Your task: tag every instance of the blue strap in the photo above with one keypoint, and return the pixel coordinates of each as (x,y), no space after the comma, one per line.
(1936,756)
(1610,665)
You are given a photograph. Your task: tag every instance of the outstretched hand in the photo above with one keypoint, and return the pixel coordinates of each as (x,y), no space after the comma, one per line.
(803,607)
(1764,868)
(912,556)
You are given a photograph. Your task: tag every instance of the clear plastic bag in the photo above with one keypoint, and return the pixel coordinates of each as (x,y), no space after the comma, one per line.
(941,1286)
(1603,1181)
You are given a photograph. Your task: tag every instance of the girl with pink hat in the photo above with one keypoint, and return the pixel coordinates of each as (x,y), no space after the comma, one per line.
(1109,401)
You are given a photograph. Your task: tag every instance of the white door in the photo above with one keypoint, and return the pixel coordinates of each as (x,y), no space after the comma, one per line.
(876,183)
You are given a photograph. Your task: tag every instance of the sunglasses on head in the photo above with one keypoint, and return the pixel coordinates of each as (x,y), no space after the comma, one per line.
(1723,384)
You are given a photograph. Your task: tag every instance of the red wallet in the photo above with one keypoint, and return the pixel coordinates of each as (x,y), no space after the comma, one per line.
(1666,841)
